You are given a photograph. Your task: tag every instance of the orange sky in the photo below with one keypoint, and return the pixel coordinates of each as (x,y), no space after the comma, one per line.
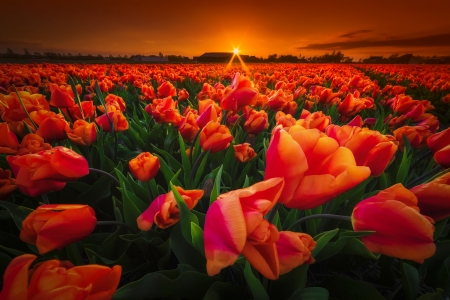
(189,28)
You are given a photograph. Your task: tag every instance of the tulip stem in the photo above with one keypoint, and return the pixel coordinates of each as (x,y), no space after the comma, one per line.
(105,173)
(273,212)
(193,143)
(328,216)
(423,177)
(197,164)
(112,223)
(420,159)
(45,199)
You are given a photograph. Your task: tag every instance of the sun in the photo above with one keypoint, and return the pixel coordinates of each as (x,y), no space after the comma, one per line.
(236,51)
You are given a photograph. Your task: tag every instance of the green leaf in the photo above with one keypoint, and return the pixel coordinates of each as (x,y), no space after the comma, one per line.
(186,216)
(432,296)
(164,284)
(323,240)
(223,291)
(173,163)
(403,169)
(216,188)
(185,252)
(18,213)
(128,264)
(311,293)
(410,280)
(185,162)
(439,228)
(443,278)
(100,190)
(197,238)
(290,283)
(167,172)
(256,288)
(201,168)
(342,288)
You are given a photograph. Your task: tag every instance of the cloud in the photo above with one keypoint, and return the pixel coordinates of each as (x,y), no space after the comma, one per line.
(10,43)
(354,34)
(439,40)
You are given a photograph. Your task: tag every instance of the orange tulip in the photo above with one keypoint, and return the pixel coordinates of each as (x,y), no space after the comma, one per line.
(416,135)
(294,249)
(183,95)
(48,170)
(118,120)
(53,226)
(256,121)
(188,127)
(243,152)
(342,134)
(52,126)
(144,166)
(215,137)
(83,133)
(32,143)
(352,105)
(7,184)
(88,108)
(166,89)
(164,212)
(164,111)
(313,166)
(207,115)
(235,224)
(318,120)
(439,144)
(434,197)
(372,149)
(8,140)
(12,109)
(241,94)
(400,230)
(54,279)
(61,97)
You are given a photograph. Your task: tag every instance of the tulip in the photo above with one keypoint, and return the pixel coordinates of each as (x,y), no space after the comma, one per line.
(313,166)
(183,95)
(88,108)
(8,140)
(400,230)
(208,115)
(166,89)
(434,197)
(256,122)
(243,152)
(318,120)
(118,120)
(235,224)
(215,137)
(54,279)
(164,111)
(12,109)
(164,212)
(32,143)
(416,135)
(61,97)
(52,126)
(83,133)
(47,170)
(439,144)
(7,184)
(144,166)
(54,226)
(294,249)
(342,134)
(241,94)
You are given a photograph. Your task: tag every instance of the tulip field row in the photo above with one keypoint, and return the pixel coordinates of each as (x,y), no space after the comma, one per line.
(215,181)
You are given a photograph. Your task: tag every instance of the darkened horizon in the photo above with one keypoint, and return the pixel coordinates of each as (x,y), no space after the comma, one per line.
(356,28)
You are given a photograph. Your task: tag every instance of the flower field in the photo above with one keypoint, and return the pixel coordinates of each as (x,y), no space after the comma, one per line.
(215,181)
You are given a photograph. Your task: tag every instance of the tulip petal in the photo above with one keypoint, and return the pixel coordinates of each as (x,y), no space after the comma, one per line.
(264,258)
(15,278)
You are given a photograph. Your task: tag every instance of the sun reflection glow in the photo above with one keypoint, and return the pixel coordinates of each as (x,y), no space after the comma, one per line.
(236,51)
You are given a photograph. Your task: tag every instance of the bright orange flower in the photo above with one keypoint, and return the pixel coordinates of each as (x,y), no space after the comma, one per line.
(243,152)
(47,170)
(164,212)
(439,144)
(61,96)
(371,149)
(83,133)
(148,92)
(215,137)
(188,126)
(183,95)
(286,120)
(313,166)
(8,140)
(54,279)
(235,224)
(164,111)
(32,143)
(12,109)
(88,108)
(207,115)
(53,226)
(294,249)
(279,99)
(352,105)
(7,184)
(118,120)
(318,120)
(241,94)
(416,135)
(18,127)
(166,89)
(356,121)
(400,230)
(446,99)
(144,166)
(342,134)
(256,121)
(52,126)
(434,197)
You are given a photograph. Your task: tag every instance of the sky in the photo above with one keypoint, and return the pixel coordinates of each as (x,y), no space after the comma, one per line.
(358,28)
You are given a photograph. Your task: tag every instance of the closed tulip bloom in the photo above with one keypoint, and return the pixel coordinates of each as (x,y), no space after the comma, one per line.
(342,134)
(52,126)
(215,137)
(32,143)
(12,109)
(208,115)
(183,95)
(256,122)
(118,120)
(54,279)
(61,97)
(47,170)
(372,149)
(400,230)
(243,152)
(166,89)
(313,166)
(88,108)
(434,197)
(416,135)
(8,140)
(241,94)
(83,133)
(7,184)
(188,126)
(164,212)
(53,226)
(235,225)
(294,249)
(439,144)
(144,167)
(318,120)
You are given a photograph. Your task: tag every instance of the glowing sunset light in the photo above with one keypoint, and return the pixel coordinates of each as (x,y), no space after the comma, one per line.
(236,51)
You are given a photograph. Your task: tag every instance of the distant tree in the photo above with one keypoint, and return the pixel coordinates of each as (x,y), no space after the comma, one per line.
(9,51)
(160,54)
(25,50)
